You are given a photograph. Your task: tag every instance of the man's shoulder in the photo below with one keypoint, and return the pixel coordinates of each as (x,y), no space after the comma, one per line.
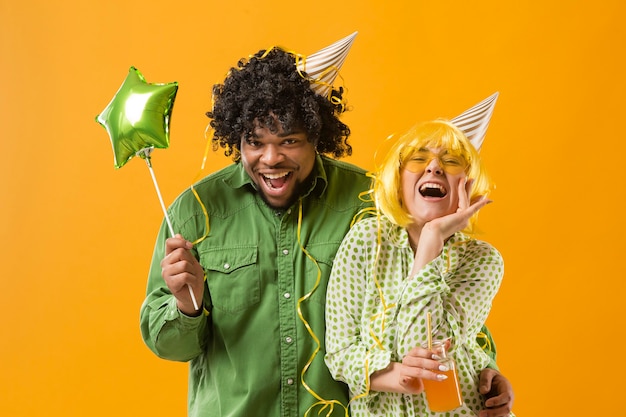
(347,186)
(219,175)
(345,175)
(213,184)
(331,164)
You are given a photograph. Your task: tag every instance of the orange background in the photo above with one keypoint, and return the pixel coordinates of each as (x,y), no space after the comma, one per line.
(77,234)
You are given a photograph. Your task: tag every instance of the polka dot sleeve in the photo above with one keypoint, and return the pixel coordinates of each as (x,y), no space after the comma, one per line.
(457,288)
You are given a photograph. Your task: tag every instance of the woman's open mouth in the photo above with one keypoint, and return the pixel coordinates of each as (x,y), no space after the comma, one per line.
(430,189)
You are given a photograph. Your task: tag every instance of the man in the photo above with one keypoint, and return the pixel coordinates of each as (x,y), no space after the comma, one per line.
(266,229)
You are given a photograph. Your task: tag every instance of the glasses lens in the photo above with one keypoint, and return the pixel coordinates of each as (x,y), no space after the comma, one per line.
(451,164)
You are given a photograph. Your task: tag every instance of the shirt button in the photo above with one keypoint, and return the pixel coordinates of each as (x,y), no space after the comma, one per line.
(289,381)
(287,295)
(288,339)
(226,266)
(285,252)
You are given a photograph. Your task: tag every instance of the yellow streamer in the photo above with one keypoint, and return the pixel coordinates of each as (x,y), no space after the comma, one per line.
(204,210)
(330,404)
(196,179)
(447,253)
(365,196)
(487,345)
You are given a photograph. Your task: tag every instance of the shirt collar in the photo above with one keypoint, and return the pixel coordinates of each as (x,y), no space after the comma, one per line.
(320,180)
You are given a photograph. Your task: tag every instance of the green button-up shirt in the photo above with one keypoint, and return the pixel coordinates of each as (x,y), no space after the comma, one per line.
(266,277)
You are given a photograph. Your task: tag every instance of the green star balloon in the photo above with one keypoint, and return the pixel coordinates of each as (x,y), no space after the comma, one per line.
(138,117)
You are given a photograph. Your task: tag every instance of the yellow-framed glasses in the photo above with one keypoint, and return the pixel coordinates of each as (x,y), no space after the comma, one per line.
(451,163)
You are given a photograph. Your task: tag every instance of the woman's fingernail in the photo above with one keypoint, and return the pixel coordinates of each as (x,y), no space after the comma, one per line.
(441,377)
(443,368)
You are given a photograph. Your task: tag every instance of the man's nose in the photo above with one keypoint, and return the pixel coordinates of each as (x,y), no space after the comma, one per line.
(271,155)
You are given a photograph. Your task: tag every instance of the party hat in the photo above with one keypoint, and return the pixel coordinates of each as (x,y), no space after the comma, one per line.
(473,122)
(323,66)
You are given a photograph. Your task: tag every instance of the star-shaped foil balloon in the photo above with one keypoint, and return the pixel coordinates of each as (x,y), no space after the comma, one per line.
(138,117)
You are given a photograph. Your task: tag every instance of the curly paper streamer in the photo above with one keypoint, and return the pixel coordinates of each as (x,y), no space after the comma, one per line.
(197,177)
(487,345)
(330,404)
(366,197)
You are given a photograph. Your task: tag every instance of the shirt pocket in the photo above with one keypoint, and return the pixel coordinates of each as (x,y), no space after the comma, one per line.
(324,254)
(233,277)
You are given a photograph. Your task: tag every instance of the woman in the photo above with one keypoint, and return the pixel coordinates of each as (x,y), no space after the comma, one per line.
(415,258)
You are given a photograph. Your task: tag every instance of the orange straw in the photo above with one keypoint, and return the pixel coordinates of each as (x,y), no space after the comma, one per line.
(430,336)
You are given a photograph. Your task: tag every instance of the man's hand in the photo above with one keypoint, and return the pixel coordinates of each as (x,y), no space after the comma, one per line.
(180,268)
(498,393)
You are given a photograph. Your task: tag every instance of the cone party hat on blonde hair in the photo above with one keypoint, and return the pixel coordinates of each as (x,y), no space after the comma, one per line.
(323,66)
(473,122)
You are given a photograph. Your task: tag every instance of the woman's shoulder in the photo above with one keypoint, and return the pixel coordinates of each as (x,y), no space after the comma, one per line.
(380,229)
(476,247)
(373,222)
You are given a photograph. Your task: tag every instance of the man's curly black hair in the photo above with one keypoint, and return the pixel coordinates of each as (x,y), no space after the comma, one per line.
(267,90)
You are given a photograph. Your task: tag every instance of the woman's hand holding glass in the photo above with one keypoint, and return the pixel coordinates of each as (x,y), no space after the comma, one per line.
(420,363)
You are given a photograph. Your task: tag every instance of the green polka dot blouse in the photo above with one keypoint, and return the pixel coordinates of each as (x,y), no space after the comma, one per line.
(376,313)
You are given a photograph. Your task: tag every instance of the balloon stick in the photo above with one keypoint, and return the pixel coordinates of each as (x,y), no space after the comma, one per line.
(147,152)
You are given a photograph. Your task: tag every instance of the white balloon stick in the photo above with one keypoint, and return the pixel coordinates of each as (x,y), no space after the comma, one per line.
(167,218)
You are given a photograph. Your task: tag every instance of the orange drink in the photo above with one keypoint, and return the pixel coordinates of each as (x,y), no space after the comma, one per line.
(444,395)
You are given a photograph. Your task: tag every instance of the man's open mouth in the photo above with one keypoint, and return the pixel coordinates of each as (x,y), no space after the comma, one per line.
(276,181)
